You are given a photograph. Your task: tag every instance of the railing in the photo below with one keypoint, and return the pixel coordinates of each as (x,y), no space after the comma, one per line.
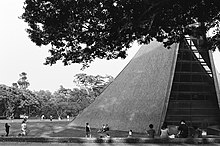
(198,55)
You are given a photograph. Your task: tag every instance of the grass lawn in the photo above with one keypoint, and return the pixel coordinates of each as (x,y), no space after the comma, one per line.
(55,128)
(37,127)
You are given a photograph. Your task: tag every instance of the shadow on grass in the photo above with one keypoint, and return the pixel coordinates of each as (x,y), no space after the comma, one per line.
(103,140)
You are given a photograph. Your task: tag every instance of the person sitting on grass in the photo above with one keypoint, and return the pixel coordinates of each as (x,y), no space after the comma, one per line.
(164,131)
(197,132)
(107,135)
(183,129)
(101,130)
(151,132)
(106,128)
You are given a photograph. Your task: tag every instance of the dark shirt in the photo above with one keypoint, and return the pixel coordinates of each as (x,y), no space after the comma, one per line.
(151,133)
(7,127)
(87,129)
(183,128)
(197,133)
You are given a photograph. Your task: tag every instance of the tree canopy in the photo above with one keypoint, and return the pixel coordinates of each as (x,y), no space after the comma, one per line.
(81,30)
(22,82)
(16,101)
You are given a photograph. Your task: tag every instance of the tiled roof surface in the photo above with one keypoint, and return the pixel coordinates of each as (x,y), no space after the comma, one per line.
(136,97)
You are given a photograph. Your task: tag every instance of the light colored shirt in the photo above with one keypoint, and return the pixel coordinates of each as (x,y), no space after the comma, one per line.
(23,127)
(164,133)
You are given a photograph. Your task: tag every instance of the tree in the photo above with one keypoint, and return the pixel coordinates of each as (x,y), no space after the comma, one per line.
(22,82)
(44,98)
(29,103)
(92,83)
(18,101)
(107,28)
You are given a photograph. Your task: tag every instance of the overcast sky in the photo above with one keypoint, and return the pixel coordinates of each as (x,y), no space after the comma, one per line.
(18,54)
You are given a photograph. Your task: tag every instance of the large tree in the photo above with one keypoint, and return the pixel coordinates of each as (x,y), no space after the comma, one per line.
(81,30)
(18,101)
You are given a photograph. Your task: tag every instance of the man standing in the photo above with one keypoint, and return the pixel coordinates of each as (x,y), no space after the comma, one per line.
(88,130)
(7,126)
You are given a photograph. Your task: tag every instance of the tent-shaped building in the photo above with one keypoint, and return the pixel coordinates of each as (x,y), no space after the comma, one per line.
(159,85)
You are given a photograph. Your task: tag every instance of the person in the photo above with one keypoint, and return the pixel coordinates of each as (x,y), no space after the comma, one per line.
(23,128)
(88,130)
(51,117)
(164,131)
(103,128)
(197,132)
(12,117)
(130,133)
(68,117)
(151,132)
(42,117)
(183,129)
(107,135)
(7,126)
(106,128)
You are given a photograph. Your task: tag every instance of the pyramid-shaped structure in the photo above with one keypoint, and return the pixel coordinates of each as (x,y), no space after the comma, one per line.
(145,92)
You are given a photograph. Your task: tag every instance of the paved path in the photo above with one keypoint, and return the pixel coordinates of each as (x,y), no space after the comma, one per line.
(93,144)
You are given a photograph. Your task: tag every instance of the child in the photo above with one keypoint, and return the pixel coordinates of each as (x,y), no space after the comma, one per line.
(151,132)
(23,128)
(130,133)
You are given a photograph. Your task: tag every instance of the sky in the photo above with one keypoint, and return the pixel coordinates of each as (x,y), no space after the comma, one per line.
(18,54)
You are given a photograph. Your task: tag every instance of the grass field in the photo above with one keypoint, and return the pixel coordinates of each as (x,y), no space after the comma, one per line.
(55,128)
(37,128)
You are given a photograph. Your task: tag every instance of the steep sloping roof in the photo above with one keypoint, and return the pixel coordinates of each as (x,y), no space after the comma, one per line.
(216,77)
(136,97)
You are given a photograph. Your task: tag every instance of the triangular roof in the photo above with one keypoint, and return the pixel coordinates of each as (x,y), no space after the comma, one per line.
(137,96)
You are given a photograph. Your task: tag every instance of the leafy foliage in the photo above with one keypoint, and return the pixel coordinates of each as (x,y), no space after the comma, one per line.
(93,85)
(107,28)
(22,82)
(17,101)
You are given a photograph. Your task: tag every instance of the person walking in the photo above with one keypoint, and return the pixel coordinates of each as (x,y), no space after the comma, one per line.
(88,130)
(23,128)
(130,132)
(7,127)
